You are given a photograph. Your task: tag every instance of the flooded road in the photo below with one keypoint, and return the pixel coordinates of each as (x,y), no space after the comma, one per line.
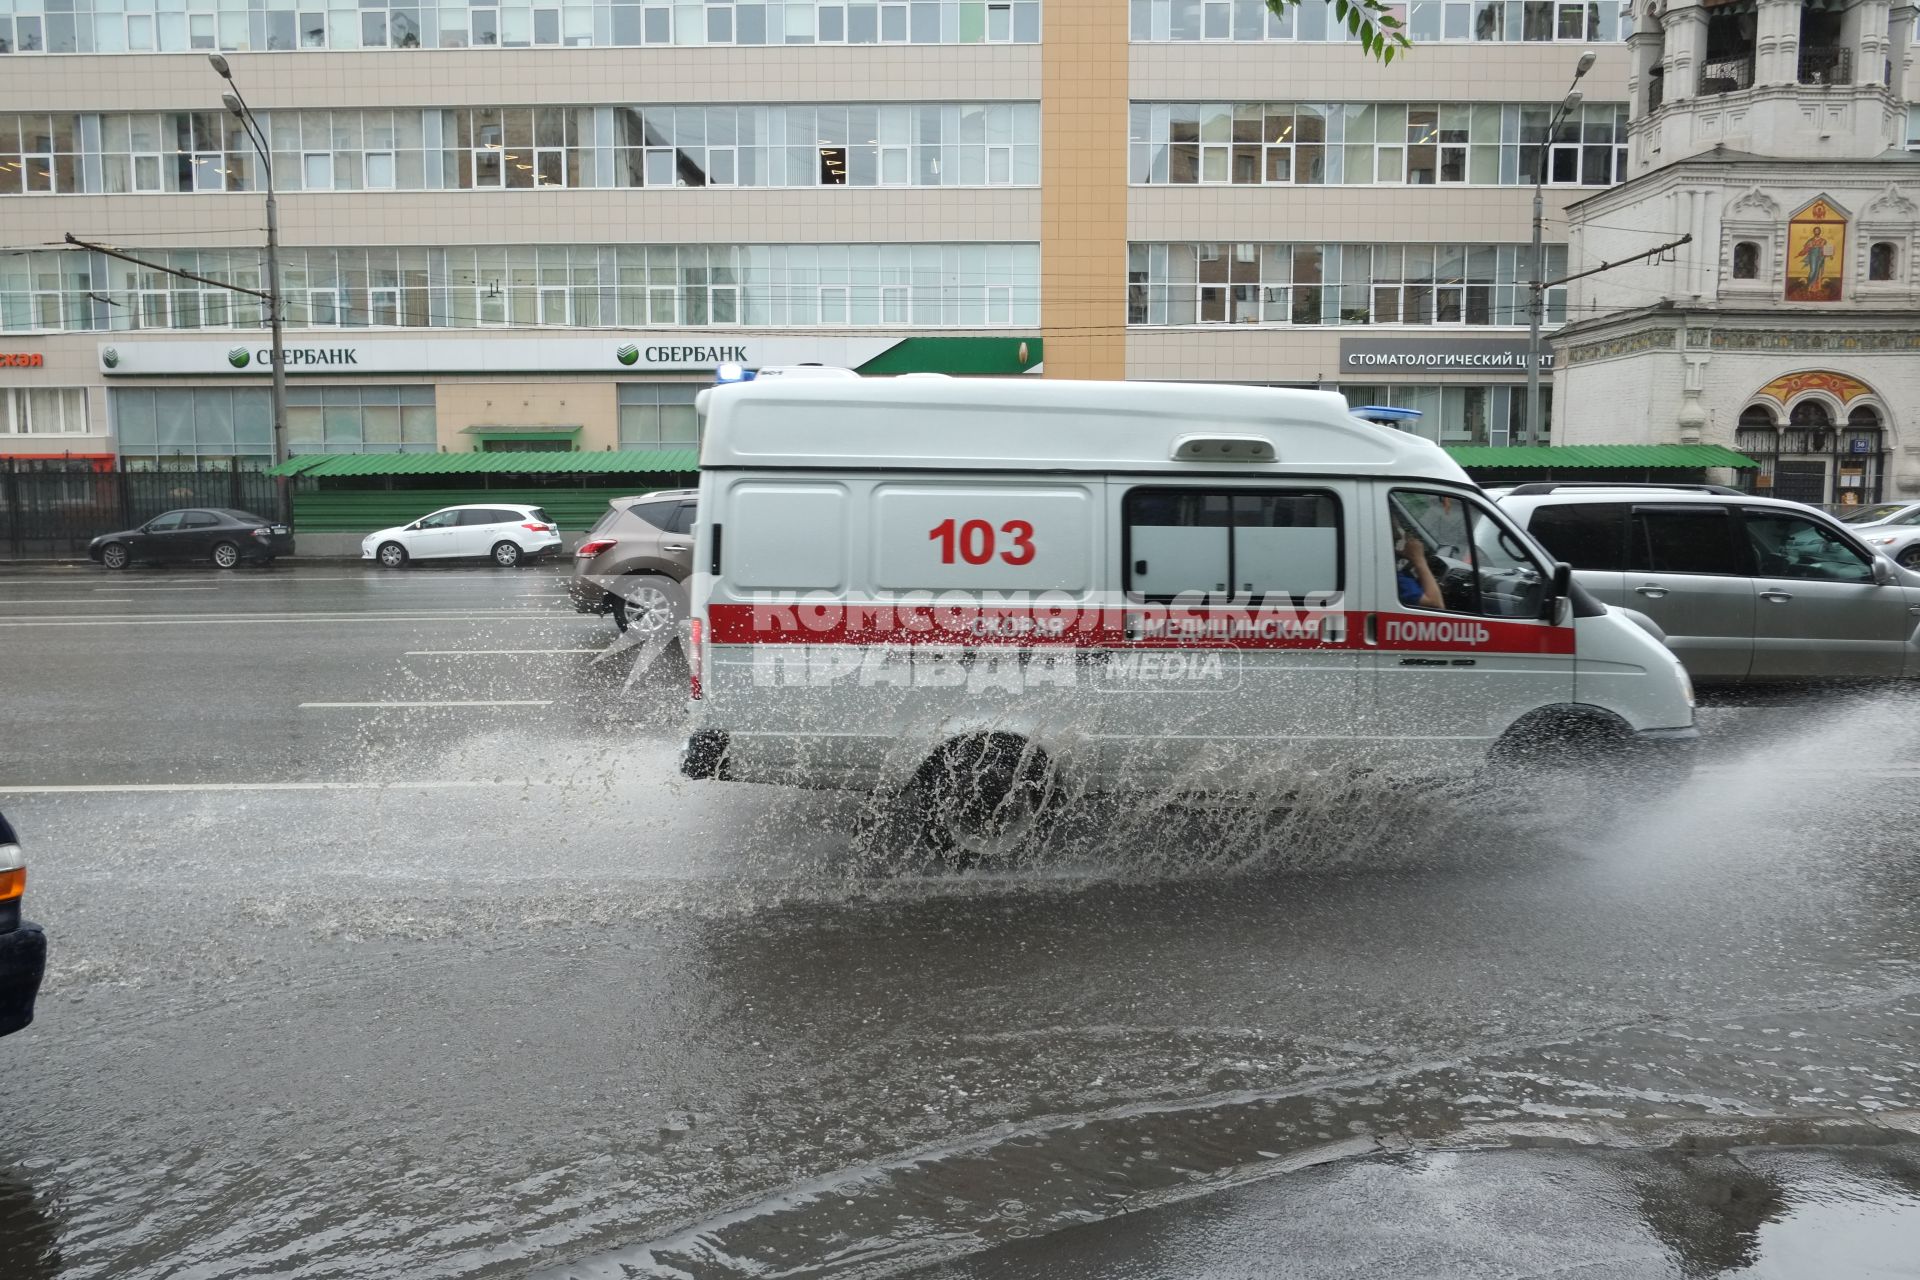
(367,979)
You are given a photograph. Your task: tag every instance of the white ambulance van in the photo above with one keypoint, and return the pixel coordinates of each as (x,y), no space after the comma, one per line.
(981,594)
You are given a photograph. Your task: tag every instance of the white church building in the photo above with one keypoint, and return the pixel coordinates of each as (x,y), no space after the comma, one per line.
(1776,133)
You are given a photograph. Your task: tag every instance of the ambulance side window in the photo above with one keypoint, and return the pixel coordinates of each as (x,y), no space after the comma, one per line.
(1478,565)
(1264,544)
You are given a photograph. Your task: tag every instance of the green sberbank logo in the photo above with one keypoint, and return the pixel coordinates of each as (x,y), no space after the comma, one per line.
(627,354)
(238,357)
(110,358)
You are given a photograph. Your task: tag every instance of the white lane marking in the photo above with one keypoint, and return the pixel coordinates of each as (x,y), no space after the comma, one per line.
(70,600)
(308,706)
(156,588)
(471,653)
(421,784)
(147,620)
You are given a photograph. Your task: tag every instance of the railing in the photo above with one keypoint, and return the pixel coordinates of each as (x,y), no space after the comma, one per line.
(1826,66)
(1727,75)
(55,514)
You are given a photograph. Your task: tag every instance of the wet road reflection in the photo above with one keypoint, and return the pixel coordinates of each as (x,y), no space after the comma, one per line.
(1613,1215)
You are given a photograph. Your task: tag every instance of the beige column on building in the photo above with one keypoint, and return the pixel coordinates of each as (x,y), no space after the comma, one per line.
(1083,189)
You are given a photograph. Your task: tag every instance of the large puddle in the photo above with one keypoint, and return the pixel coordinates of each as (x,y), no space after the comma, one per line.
(588,1018)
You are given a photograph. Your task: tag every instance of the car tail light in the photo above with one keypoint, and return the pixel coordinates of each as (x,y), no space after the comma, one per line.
(595,547)
(538,528)
(13,873)
(696,653)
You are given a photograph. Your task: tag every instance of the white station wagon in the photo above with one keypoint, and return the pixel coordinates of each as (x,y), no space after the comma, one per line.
(506,533)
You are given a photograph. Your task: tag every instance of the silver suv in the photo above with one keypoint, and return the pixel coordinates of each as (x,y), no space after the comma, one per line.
(1749,590)
(635,562)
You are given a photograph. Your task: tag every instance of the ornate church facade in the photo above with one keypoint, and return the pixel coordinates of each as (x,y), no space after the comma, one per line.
(1775,133)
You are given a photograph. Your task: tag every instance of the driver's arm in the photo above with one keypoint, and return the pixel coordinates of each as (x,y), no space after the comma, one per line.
(1416,554)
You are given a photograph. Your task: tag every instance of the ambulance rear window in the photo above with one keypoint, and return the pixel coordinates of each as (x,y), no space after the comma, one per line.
(1255,543)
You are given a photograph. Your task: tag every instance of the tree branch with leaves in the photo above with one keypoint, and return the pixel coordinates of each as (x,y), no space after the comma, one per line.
(1372,22)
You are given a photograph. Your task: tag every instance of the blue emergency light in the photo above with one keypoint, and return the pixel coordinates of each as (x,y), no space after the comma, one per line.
(732,373)
(1386,416)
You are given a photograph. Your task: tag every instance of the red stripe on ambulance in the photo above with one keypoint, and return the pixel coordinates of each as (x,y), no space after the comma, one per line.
(1157,627)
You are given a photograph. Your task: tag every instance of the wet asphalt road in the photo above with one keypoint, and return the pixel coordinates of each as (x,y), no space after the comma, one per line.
(406,988)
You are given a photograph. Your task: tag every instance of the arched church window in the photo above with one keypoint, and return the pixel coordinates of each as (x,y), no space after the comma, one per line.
(1883,261)
(1746,260)
(1809,428)
(1756,432)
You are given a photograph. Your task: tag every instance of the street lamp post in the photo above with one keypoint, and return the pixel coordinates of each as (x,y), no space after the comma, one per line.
(237,105)
(1537,288)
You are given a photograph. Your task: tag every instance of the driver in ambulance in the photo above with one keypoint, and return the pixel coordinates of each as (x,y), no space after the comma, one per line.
(1412,574)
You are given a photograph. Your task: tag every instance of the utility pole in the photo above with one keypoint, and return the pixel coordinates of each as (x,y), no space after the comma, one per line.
(237,105)
(1537,288)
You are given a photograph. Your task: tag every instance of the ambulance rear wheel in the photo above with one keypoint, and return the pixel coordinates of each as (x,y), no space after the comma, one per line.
(983,801)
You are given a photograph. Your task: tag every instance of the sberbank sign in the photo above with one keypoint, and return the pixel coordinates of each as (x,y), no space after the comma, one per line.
(332,357)
(686,357)
(608,354)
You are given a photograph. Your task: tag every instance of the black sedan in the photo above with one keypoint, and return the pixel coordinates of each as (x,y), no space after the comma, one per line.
(220,534)
(23,945)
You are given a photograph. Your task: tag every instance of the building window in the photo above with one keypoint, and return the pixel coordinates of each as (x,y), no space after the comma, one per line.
(860,145)
(495,148)
(1426,21)
(658,415)
(517,147)
(1883,261)
(1811,413)
(1336,284)
(43,411)
(1493,414)
(586,286)
(1728,67)
(1746,260)
(194,425)
(39,154)
(397,419)
(1359,144)
(99,26)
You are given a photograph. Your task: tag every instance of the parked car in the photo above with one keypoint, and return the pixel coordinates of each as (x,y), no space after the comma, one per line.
(507,533)
(23,944)
(1878,513)
(220,534)
(1749,590)
(1893,530)
(635,562)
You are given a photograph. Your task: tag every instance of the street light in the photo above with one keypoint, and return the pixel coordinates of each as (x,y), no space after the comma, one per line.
(1537,288)
(237,106)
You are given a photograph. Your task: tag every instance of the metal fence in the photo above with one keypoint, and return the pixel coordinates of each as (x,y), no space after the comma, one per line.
(54,514)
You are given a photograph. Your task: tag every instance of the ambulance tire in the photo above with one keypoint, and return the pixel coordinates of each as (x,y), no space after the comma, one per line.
(983,801)
(1555,738)
(1584,742)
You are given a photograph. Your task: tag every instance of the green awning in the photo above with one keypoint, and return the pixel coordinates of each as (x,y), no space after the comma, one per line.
(520,433)
(578,463)
(1690,457)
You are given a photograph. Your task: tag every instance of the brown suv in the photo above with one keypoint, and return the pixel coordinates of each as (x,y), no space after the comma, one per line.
(635,562)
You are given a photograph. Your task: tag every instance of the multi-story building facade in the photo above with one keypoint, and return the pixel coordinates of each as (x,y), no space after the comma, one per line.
(1779,136)
(525,224)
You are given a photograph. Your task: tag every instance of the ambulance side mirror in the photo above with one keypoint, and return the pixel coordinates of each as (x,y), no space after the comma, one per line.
(1562,587)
